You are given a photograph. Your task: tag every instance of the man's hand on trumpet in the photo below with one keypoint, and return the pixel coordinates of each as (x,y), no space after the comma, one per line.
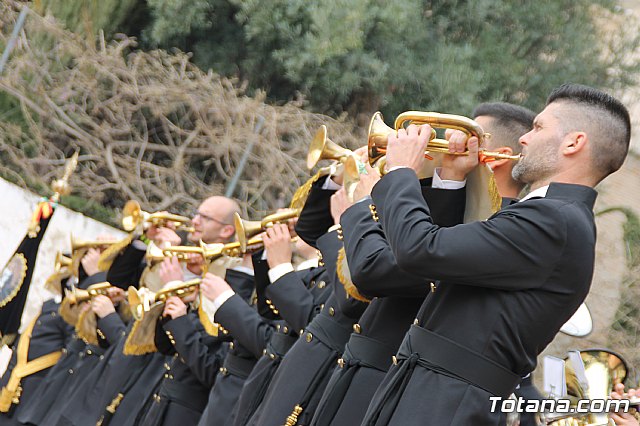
(456,167)
(213,286)
(170,270)
(102,306)
(367,182)
(90,261)
(624,419)
(407,147)
(174,307)
(116,294)
(339,203)
(277,242)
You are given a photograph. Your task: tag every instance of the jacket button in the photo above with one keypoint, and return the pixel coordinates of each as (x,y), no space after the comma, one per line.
(285,329)
(356,328)
(332,311)
(309,337)
(322,284)
(341,362)
(394,360)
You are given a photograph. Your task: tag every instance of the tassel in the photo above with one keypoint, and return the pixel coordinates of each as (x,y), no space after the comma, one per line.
(345,277)
(292,419)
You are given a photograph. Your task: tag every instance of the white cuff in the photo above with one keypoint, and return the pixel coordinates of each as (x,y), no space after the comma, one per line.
(365,198)
(219,301)
(279,271)
(439,183)
(244,269)
(330,184)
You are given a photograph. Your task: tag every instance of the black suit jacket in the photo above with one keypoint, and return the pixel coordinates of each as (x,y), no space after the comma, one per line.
(373,267)
(315,218)
(508,283)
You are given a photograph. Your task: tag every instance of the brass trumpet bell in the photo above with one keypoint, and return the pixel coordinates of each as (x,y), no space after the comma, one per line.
(76,295)
(351,177)
(133,216)
(323,148)
(246,229)
(62,261)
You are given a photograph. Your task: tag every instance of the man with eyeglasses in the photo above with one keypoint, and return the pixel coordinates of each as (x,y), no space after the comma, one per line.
(213,220)
(184,390)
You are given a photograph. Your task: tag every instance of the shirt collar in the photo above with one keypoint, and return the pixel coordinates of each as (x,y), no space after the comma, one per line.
(540,192)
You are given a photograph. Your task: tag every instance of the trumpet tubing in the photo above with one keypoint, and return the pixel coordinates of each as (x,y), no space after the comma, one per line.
(76,295)
(245,229)
(141,301)
(379,132)
(133,216)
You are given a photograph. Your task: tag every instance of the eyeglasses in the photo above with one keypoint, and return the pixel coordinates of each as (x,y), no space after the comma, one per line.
(205,217)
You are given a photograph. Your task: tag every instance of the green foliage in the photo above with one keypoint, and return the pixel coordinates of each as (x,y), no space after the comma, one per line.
(89,16)
(361,55)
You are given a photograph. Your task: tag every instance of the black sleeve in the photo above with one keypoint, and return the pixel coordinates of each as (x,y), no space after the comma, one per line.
(127,267)
(293,299)
(372,265)
(244,324)
(243,284)
(315,218)
(261,278)
(110,329)
(161,339)
(198,356)
(516,248)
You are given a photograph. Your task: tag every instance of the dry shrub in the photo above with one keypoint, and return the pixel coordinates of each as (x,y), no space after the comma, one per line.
(150,126)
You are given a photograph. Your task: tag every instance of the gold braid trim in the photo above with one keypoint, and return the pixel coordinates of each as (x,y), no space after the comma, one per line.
(210,327)
(141,339)
(109,255)
(345,277)
(19,257)
(54,282)
(68,312)
(496,199)
(292,419)
(87,326)
(301,194)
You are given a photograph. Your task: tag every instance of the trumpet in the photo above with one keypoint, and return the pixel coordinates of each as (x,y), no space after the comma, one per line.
(141,301)
(83,245)
(156,255)
(379,132)
(248,228)
(77,295)
(62,261)
(80,247)
(133,215)
(323,148)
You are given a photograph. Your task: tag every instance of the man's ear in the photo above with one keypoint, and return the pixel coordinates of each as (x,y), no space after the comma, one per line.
(574,142)
(496,164)
(227,231)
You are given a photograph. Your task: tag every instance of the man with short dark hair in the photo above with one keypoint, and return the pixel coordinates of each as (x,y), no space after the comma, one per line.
(368,354)
(507,284)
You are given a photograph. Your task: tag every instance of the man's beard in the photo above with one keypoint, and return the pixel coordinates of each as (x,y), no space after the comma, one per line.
(532,169)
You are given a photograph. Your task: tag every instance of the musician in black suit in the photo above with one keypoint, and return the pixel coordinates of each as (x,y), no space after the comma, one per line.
(373,268)
(507,284)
